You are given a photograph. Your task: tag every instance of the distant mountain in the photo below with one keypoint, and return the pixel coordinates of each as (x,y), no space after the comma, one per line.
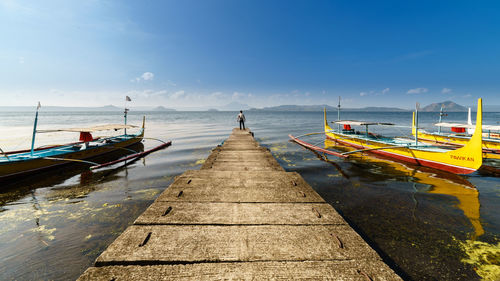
(448,106)
(162,108)
(376,109)
(233,106)
(322,106)
(80,109)
(293,107)
(61,108)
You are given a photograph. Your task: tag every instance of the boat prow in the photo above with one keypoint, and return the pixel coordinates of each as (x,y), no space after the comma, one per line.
(470,156)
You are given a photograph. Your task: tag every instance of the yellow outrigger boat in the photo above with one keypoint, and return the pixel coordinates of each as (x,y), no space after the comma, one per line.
(464,160)
(437,182)
(461,136)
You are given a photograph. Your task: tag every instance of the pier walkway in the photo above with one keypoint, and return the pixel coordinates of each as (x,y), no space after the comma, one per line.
(240,217)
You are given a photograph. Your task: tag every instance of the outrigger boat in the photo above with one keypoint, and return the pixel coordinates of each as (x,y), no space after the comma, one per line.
(464,160)
(23,162)
(430,180)
(460,135)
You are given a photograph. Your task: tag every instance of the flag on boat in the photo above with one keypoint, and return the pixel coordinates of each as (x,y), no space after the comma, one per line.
(127,98)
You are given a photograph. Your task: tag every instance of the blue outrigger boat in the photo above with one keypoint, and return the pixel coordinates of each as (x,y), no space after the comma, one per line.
(20,163)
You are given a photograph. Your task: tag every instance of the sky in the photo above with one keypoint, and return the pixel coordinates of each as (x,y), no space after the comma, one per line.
(181,54)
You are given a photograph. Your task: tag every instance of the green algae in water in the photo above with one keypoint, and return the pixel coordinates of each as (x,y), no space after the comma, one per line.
(484,257)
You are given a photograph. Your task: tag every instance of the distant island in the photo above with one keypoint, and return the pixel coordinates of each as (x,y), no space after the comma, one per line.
(328,108)
(83,109)
(449,106)
(162,108)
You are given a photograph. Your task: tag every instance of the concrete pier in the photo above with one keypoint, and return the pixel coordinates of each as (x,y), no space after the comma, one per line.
(240,217)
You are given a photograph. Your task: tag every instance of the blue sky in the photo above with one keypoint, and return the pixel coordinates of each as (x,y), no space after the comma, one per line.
(262,53)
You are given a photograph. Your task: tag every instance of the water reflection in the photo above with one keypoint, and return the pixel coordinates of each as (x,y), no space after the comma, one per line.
(433,181)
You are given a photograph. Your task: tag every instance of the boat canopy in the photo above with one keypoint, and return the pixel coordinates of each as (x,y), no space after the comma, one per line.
(461,125)
(91,129)
(360,123)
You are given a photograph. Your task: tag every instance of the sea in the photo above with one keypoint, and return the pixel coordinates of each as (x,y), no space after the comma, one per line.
(426,224)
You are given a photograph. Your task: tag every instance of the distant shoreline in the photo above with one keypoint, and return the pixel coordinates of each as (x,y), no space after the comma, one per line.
(435,107)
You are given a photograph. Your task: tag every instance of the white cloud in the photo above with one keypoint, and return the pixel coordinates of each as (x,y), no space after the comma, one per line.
(21,60)
(385,91)
(217,95)
(467,96)
(238,95)
(446,91)
(363,94)
(417,91)
(146,76)
(177,95)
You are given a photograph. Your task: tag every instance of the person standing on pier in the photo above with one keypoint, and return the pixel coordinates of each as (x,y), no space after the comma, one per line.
(241,119)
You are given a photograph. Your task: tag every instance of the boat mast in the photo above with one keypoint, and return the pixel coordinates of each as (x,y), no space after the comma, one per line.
(441,114)
(127,98)
(34,129)
(417,106)
(338,115)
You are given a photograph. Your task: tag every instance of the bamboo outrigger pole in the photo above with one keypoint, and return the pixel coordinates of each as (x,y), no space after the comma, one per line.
(34,129)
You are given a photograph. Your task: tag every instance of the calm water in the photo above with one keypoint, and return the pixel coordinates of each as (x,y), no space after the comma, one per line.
(426,224)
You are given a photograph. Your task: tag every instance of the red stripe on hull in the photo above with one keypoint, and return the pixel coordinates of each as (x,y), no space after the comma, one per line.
(420,162)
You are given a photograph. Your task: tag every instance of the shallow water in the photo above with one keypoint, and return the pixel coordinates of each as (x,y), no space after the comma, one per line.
(426,224)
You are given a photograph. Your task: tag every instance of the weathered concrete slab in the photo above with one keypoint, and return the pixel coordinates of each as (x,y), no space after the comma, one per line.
(239,213)
(208,243)
(240,156)
(228,186)
(245,166)
(241,141)
(244,156)
(237,175)
(241,147)
(242,193)
(248,138)
(350,270)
